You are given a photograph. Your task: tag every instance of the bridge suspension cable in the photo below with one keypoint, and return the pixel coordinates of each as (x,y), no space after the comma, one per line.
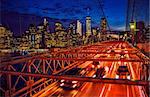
(104,15)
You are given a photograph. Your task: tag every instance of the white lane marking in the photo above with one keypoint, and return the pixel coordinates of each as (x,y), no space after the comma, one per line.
(109,88)
(112,70)
(133,91)
(131,68)
(84,86)
(53,92)
(102,91)
(128,95)
(133,74)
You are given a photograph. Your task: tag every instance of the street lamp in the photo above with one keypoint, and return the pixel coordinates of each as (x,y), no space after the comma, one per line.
(132,25)
(133,30)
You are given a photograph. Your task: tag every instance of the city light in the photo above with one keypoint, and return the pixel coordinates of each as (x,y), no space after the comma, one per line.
(133,25)
(74,48)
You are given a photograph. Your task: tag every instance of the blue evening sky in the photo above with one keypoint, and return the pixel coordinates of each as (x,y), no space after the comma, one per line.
(115,10)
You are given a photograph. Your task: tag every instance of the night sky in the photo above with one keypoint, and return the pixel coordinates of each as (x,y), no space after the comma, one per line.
(115,10)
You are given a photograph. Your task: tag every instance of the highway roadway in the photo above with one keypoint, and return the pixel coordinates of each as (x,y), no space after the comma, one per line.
(89,89)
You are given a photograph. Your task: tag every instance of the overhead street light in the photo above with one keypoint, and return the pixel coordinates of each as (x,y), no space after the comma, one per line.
(133,25)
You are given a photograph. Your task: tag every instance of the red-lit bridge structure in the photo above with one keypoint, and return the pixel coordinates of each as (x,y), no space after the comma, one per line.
(37,74)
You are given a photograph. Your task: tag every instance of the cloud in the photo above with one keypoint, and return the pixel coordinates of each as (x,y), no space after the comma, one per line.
(56,13)
(49,9)
(120,28)
(72,11)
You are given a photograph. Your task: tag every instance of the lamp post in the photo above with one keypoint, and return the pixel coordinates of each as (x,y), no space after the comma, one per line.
(133,31)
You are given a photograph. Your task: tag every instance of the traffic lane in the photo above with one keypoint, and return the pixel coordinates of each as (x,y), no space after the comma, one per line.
(90,90)
(63,93)
(119,91)
(122,91)
(85,90)
(108,87)
(96,89)
(66,92)
(48,90)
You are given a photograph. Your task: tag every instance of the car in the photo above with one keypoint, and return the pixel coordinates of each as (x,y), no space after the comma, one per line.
(95,65)
(123,56)
(122,73)
(100,73)
(72,84)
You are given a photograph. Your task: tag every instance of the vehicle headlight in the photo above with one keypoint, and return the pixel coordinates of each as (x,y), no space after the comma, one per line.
(93,66)
(62,80)
(128,77)
(74,85)
(62,84)
(104,76)
(94,76)
(117,76)
(74,81)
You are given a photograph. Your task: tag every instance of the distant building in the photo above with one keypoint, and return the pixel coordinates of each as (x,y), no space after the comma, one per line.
(24,43)
(58,26)
(32,35)
(42,34)
(88,25)
(94,31)
(16,42)
(147,33)
(103,25)
(103,28)
(72,28)
(6,38)
(139,35)
(79,28)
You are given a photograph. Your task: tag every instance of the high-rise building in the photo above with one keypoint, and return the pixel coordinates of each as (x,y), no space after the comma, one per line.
(79,28)
(147,33)
(103,28)
(5,38)
(103,25)
(32,35)
(94,31)
(16,42)
(45,22)
(72,28)
(88,25)
(139,34)
(58,26)
(25,42)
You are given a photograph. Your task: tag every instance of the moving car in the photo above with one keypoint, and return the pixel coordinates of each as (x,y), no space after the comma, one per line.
(100,73)
(122,73)
(72,84)
(95,65)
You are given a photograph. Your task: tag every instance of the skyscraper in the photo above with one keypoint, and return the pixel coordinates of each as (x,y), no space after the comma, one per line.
(88,25)
(58,26)
(103,25)
(72,27)
(5,38)
(79,27)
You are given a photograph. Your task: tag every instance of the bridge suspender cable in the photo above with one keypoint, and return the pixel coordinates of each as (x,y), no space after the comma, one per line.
(100,6)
